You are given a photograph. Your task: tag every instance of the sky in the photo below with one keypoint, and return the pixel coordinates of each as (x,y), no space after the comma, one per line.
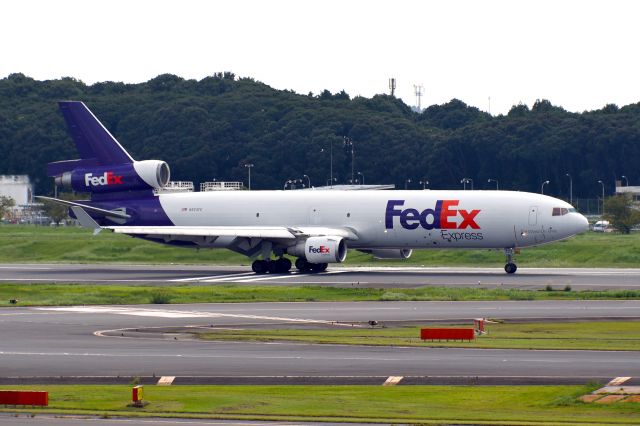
(580,55)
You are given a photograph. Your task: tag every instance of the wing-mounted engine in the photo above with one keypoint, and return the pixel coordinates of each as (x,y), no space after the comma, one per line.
(326,249)
(138,175)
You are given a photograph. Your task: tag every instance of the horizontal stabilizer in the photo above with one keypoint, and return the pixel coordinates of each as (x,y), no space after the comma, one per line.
(86,220)
(95,210)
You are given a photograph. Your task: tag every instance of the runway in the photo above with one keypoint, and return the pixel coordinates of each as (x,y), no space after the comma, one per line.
(339,276)
(92,341)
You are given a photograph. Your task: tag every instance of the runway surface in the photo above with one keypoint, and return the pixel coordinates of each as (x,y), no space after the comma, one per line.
(94,341)
(525,278)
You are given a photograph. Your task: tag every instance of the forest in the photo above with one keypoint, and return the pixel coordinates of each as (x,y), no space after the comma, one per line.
(211,128)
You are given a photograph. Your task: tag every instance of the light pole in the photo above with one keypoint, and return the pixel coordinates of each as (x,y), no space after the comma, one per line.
(465,181)
(360,174)
(424,183)
(625,179)
(249,166)
(406,183)
(494,180)
(602,183)
(308,180)
(570,188)
(349,142)
(331,180)
(543,184)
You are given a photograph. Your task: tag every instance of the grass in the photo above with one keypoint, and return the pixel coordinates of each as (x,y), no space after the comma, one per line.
(601,335)
(87,294)
(535,405)
(23,244)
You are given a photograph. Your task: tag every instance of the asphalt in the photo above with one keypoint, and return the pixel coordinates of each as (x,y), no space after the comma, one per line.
(339,276)
(114,342)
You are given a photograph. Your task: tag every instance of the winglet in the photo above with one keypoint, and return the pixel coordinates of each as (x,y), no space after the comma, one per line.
(86,220)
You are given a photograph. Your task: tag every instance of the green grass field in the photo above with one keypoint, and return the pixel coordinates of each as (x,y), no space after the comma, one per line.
(597,335)
(88,294)
(535,405)
(24,244)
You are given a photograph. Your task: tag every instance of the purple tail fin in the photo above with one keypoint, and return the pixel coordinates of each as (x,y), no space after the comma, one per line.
(96,146)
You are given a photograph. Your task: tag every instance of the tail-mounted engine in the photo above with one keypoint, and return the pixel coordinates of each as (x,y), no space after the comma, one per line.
(139,175)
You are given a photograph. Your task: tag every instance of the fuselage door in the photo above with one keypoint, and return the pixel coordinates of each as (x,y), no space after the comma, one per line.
(533,215)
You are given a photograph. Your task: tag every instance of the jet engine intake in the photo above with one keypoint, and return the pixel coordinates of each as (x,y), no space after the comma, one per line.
(327,249)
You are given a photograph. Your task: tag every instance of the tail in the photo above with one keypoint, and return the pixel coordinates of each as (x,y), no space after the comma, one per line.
(104,165)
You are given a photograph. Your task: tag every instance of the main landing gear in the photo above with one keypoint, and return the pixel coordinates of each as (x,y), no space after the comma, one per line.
(510,267)
(283,265)
(304,266)
(278,266)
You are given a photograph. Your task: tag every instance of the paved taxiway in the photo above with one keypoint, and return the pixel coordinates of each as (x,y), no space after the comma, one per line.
(525,278)
(94,341)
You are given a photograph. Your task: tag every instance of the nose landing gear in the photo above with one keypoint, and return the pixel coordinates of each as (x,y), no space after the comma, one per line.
(510,267)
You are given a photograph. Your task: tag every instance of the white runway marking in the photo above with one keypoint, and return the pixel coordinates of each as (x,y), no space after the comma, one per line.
(393,380)
(214,278)
(283,276)
(160,313)
(618,381)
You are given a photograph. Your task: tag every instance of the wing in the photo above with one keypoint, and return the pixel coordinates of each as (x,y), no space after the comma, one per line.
(247,240)
(263,232)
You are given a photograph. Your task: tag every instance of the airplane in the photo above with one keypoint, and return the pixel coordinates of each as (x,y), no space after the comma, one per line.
(315,226)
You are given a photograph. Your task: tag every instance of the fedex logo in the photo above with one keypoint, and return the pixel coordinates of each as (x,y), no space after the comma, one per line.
(440,217)
(108,178)
(319,250)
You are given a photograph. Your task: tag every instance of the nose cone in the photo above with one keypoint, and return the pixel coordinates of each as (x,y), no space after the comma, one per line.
(580,223)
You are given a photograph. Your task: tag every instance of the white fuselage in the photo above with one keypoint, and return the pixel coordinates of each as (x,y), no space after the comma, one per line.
(390,219)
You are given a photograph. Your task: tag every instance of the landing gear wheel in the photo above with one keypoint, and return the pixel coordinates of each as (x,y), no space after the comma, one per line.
(318,267)
(510,267)
(282,265)
(260,266)
(302,265)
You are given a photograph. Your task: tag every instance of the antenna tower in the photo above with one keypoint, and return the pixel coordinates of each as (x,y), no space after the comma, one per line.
(419,90)
(392,86)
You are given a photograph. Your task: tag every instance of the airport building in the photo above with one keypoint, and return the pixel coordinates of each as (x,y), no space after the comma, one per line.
(20,189)
(633,190)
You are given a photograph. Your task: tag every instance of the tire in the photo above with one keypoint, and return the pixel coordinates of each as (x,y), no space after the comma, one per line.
(283,265)
(260,266)
(302,264)
(510,268)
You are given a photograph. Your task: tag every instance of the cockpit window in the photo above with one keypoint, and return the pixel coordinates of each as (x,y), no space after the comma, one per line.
(560,211)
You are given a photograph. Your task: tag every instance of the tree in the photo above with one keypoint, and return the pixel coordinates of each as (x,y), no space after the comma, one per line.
(56,211)
(5,204)
(621,212)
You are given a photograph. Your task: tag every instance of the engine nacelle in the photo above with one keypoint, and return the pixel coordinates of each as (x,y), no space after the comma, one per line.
(139,175)
(327,249)
(391,253)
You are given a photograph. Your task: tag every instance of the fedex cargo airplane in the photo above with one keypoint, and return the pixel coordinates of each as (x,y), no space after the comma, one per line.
(315,226)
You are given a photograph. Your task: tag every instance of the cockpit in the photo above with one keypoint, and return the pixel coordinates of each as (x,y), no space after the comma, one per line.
(561,211)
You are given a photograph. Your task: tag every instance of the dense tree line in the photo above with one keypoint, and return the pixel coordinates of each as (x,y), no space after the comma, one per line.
(210,128)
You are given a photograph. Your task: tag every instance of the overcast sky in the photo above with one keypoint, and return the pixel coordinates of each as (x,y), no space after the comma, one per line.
(580,55)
